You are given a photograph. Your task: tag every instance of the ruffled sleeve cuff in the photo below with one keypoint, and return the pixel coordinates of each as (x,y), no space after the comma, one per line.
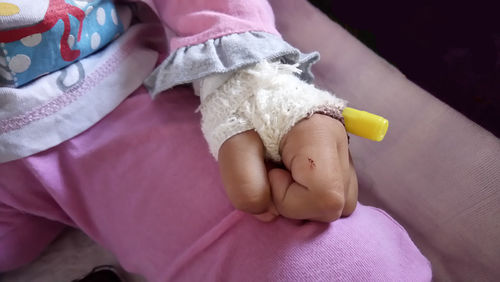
(226,54)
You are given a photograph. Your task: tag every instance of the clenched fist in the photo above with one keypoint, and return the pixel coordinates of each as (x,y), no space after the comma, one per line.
(319,182)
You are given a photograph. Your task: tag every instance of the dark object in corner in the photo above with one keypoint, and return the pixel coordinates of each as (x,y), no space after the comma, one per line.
(449,48)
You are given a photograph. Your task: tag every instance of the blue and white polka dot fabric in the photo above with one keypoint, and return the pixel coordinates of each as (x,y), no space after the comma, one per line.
(40,51)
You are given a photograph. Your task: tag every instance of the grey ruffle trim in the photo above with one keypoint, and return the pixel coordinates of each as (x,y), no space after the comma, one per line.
(226,54)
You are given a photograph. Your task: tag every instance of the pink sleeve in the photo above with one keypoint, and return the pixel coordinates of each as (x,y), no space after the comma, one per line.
(196,21)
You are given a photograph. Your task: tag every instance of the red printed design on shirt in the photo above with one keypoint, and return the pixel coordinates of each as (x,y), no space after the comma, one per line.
(57,10)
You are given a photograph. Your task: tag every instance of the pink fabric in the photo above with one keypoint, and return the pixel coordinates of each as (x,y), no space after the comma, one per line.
(142,183)
(194,22)
(436,171)
(23,236)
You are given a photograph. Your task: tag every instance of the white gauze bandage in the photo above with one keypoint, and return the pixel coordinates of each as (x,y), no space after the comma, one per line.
(267,97)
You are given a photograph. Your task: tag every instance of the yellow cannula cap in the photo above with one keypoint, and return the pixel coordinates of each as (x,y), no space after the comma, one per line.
(365,124)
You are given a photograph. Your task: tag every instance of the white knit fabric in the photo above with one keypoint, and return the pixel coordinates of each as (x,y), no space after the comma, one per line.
(268,98)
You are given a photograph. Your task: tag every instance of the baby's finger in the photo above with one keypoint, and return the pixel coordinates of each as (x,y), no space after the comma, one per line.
(244,175)
(296,201)
(315,153)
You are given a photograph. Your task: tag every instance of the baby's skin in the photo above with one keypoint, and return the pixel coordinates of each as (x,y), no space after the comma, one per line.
(318,181)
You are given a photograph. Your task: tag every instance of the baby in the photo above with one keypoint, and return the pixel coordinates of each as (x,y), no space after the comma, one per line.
(82,145)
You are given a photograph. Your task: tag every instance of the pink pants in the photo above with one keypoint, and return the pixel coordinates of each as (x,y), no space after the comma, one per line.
(142,183)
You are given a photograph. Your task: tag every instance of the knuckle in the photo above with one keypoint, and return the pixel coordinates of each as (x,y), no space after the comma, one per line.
(331,204)
(253,203)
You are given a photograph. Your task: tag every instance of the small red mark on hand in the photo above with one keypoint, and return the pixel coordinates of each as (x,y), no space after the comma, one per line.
(312,164)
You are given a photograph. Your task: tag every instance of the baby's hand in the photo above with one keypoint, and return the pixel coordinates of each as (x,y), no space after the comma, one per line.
(319,183)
